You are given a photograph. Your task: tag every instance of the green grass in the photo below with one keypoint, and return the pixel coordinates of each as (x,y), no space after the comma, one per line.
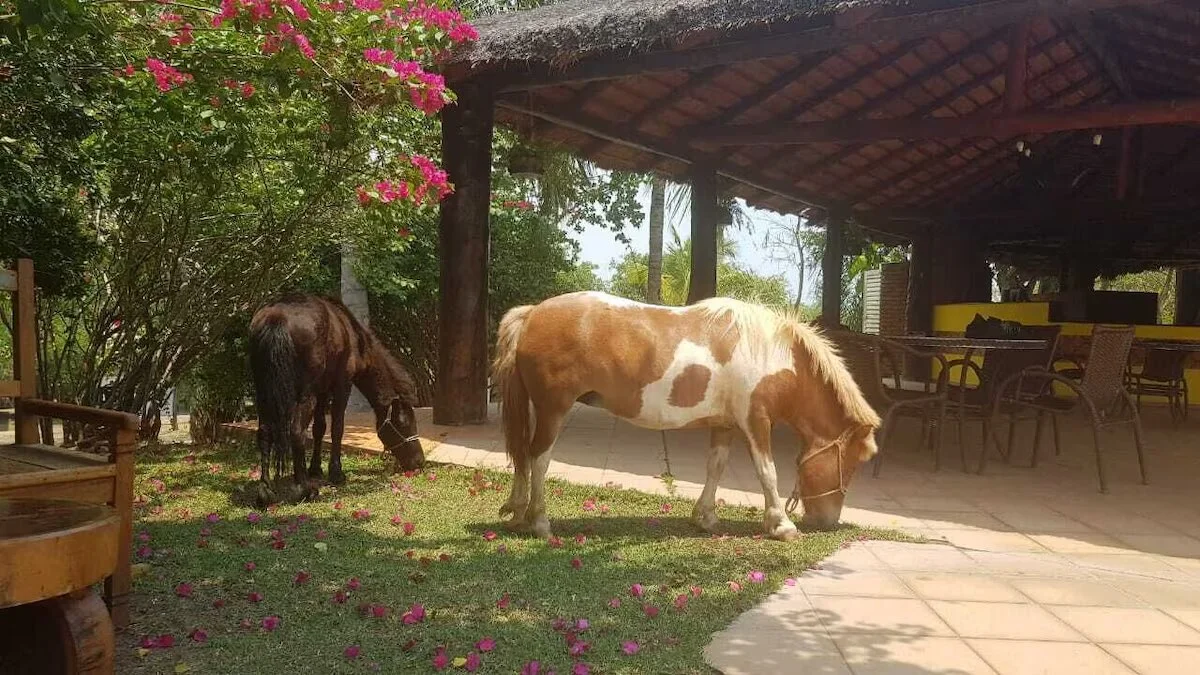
(641,538)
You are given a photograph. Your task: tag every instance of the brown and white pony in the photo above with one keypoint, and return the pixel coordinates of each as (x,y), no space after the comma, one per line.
(305,352)
(721,363)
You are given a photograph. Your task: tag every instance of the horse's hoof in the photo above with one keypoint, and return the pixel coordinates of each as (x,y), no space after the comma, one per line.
(264,496)
(706,521)
(541,527)
(337,477)
(784,533)
(297,493)
(516,526)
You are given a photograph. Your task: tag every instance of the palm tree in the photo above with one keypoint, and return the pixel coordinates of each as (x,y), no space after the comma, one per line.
(658,194)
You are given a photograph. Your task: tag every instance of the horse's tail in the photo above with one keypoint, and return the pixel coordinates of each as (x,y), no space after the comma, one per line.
(273,360)
(514,397)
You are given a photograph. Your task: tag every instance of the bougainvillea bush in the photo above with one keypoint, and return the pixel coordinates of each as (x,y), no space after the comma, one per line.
(414,574)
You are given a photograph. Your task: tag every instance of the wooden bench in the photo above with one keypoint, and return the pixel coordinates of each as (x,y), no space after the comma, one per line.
(28,469)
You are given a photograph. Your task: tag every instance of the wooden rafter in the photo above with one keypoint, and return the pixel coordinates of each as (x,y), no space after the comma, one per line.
(1101,48)
(904,27)
(940,102)
(1016,72)
(769,90)
(620,135)
(986,125)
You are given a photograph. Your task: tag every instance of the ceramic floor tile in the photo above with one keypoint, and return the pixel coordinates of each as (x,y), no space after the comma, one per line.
(1030,657)
(1083,542)
(949,586)
(1134,626)
(1082,592)
(1157,659)
(1175,545)
(867,583)
(1005,542)
(878,655)
(1162,594)
(878,615)
(1003,620)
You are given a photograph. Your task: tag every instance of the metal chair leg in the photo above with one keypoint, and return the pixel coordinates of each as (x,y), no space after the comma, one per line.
(1037,438)
(1137,441)
(1057,437)
(1099,456)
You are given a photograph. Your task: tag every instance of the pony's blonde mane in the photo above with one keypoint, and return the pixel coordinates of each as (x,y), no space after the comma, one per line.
(763,328)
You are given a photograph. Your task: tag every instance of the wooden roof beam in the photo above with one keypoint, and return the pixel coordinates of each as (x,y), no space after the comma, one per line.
(621,135)
(987,125)
(949,98)
(1102,50)
(976,16)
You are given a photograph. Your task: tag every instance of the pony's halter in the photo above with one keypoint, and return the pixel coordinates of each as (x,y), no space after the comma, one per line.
(838,446)
(393,433)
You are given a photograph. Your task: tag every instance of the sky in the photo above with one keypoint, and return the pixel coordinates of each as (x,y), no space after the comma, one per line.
(600,248)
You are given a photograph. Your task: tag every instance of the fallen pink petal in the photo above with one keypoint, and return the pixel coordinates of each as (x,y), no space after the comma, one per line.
(681,601)
(270,623)
(473,662)
(576,563)
(614,603)
(199,635)
(489,535)
(354,584)
(630,647)
(650,610)
(502,603)
(487,644)
(250,566)
(637,590)
(581,668)
(414,615)
(212,517)
(255,596)
(440,659)
(183,590)
(756,577)
(302,578)
(790,581)
(340,597)
(352,652)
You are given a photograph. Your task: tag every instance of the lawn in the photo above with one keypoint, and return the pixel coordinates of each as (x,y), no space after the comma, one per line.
(404,574)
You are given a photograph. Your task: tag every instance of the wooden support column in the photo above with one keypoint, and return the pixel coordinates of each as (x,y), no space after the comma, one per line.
(920,284)
(831,269)
(703,282)
(25,349)
(461,390)
(1187,297)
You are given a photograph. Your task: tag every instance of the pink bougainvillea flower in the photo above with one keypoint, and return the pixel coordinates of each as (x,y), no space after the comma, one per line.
(199,635)
(630,647)
(143,537)
(578,648)
(665,508)
(302,578)
(201,543)
(184,590)
(790,581)
(472,663)
(320,535)
(554,542)
(361,514)
(614,603)
(589,504)
(414,615)
(246,624)
(431,476)
(581,668)
(681,601)
(735,587)
(278,544)
(379,611)
(218,603)
(576,563)
(144,552)
(396,520)
(637,590)
(337,506)
(205,531)
(502,548)
(270,623)
(440,659)
(650,610)
(164,641)
(253,517)
(352,652)
(250,566)
(340,597)
(581,539)
(212,517)
(489,535)
(409,528)
(502,603)
(756,577)
(255,596)
(532,668)
(485,645)
(695,591)
(444,557)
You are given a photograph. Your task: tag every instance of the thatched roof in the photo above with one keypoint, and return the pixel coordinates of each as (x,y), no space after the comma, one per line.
(566,31)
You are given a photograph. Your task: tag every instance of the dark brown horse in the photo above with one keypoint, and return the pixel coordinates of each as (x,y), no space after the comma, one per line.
(305,352)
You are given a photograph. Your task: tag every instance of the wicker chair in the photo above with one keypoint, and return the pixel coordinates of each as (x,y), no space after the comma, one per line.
(974,404)
(1162,374)
(1100,392)
(866,356)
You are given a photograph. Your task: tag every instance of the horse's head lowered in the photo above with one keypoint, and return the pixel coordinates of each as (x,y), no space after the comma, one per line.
(396,425)
(823,475)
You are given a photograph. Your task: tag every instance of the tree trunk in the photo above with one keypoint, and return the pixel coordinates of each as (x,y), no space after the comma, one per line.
(658,199)
(799,265)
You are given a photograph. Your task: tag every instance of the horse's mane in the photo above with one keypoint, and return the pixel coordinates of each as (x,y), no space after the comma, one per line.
(766,328)
(374,351)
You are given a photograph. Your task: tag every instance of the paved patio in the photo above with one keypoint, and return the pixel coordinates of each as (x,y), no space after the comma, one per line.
(1030,571)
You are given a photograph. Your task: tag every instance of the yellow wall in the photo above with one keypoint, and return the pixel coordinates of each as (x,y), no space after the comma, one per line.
(953,319)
